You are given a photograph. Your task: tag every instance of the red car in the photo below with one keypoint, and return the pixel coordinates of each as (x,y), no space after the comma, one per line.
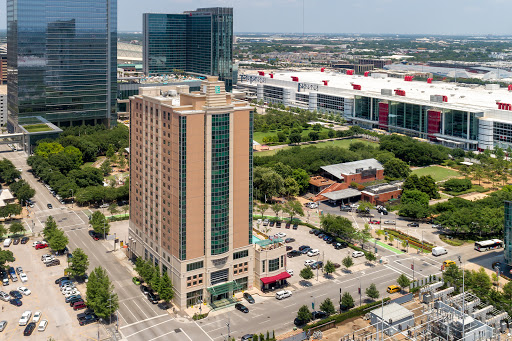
(79,305)
(374,222)
(41,246)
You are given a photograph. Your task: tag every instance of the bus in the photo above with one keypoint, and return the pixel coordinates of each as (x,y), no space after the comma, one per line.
(488,245)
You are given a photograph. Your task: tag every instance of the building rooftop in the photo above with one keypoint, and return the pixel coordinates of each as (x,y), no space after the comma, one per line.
(320,181)
(393,312)
(382,188)
(476,96)
(354,167)
(343,194)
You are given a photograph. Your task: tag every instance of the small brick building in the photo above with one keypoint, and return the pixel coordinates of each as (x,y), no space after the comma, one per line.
(357,171)
(381,193)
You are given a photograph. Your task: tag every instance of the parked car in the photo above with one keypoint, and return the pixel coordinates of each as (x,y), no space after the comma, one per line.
(306,250)
(319,315)
(293,253)
(37,316)
(299,323)
(53,262)
(311,231)
(313,253)
(339,246)
(4,296)
(41,246)
(289,248)
(321,235)
(29,329)
(15,294)
(248,297)
(413,225)
(290,272)
(25,317)
(309,262)
(376,222)
(145,290)
(242,308)
(50,206)
(24,291)
(24,240)
(60,279)
(271,224)
(345,208)
(317,232)
(94,235)
(136,280)
(317,265)
(295,226)
(336,265)
(247,337)
(287,225)
(389,222)
(357,254)
(73,298)
(302,247)
(88,319)
(280,235)
(19,270)
(278,224)
(16,302)
(79,306)
(265,222)
(3,324)
(289,240)
(42,326)
(16,241)
(153,298)
(437,226)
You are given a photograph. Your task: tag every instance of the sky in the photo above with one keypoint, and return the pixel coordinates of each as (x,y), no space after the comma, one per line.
(449,17)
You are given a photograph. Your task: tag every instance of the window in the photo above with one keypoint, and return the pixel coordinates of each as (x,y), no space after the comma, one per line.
(240,254)
(195,266)
(273,265)
(262,266)
(219,277)
(194,297)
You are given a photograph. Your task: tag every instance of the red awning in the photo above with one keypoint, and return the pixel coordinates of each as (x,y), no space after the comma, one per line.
(273,279)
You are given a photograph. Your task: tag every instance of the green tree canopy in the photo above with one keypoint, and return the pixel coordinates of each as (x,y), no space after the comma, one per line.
(45,149)
(304,314)
(337,225)
(50,226)
(99,223)
(347,301)
(329,267)
(6,256)
(306,273)
(327,306)
(166,291)
(100,295)
(403,281)
(58,240)
(347,262)
(16,228)
(79,263)
(372,292)
(396,169)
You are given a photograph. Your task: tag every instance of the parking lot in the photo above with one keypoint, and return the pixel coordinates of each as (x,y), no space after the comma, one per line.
(45,297)
(326,251)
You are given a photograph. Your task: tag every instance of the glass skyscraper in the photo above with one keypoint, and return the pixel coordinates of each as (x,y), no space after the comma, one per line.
(198,42)
(62,61)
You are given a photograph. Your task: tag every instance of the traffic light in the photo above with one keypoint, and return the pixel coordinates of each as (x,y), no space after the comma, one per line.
(359,290)
(412,266)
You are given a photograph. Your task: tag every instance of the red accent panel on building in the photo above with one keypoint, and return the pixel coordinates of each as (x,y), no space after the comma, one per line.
(510,87)
(429,80)
(505,106)
(261,73)
(356,86)
(408,78)
(350,72)
(399,92)
(383,115)
(445,98)
(325,82)
(322,69)
(271,75)
(366,73)
(434,123)
(295,78)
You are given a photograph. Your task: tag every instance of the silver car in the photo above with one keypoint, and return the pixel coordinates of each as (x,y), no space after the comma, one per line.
(3,324)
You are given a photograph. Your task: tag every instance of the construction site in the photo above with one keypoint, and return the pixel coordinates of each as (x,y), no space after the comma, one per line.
(436,314)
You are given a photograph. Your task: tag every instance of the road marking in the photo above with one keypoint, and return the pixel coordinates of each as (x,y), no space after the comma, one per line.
(135,318)
(149,319)
(129,298)
(188,337)
(140,331)
(142,311)
(162,335)
(203,330)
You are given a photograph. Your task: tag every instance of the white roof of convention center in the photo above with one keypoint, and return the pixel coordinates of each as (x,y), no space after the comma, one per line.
(352,167)
(458,94)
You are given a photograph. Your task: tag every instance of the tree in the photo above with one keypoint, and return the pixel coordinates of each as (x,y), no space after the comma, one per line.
(45,149)
(110,151)
(267,183)
(79,263)
(403,281)
(156,280)
(276,208)
(166,291)
(372,292)
(262,208)
(304,314)
(347,301)
(327,306)
(293,207)
(414,204)
(295,138)
(306,273)
(291,187)
(5,257)
(507,291)
(22,190)
(347,262)
(58,240)
(113,208)
(99,223)
(480,282)
(147,271)
(337,226)
(100,295)
(313,135)
(3,231)
(370,256)
(16,228)
(329,267)
(50,226)
(396,169)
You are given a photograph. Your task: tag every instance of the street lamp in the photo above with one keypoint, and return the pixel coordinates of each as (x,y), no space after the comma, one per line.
(72,197)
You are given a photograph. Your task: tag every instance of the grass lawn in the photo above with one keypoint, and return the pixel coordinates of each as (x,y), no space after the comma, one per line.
(437,172)
(258,135)
(87,164)
(33,128)
(337,143)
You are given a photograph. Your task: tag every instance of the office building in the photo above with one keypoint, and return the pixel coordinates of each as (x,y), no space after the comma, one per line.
(198,42)
(3,105)
(62,61)
(191,189)
(468,116)
(507,231)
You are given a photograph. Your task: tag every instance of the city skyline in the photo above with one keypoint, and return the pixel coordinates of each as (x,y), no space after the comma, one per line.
(375,17)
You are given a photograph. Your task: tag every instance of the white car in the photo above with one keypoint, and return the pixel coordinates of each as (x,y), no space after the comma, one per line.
(36,317)
(48,259)
(72,293)
(24,291)
(42,326)
(313,253)
(389,222)
(356,254)
(67,289)
(280,235)
(25,318)
(309,262)
(23,277)
(67,286)
(37,242)
(46,255)
(290,272)
(5,296)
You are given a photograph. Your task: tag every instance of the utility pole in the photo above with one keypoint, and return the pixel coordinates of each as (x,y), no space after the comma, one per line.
(360,289)
(463,300)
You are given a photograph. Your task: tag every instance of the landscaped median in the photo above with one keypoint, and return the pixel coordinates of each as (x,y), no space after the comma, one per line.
(338,318)
(413,242)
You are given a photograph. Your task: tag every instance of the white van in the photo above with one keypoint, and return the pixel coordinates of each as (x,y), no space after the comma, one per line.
(283,294)
(7,242)
(438,251)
